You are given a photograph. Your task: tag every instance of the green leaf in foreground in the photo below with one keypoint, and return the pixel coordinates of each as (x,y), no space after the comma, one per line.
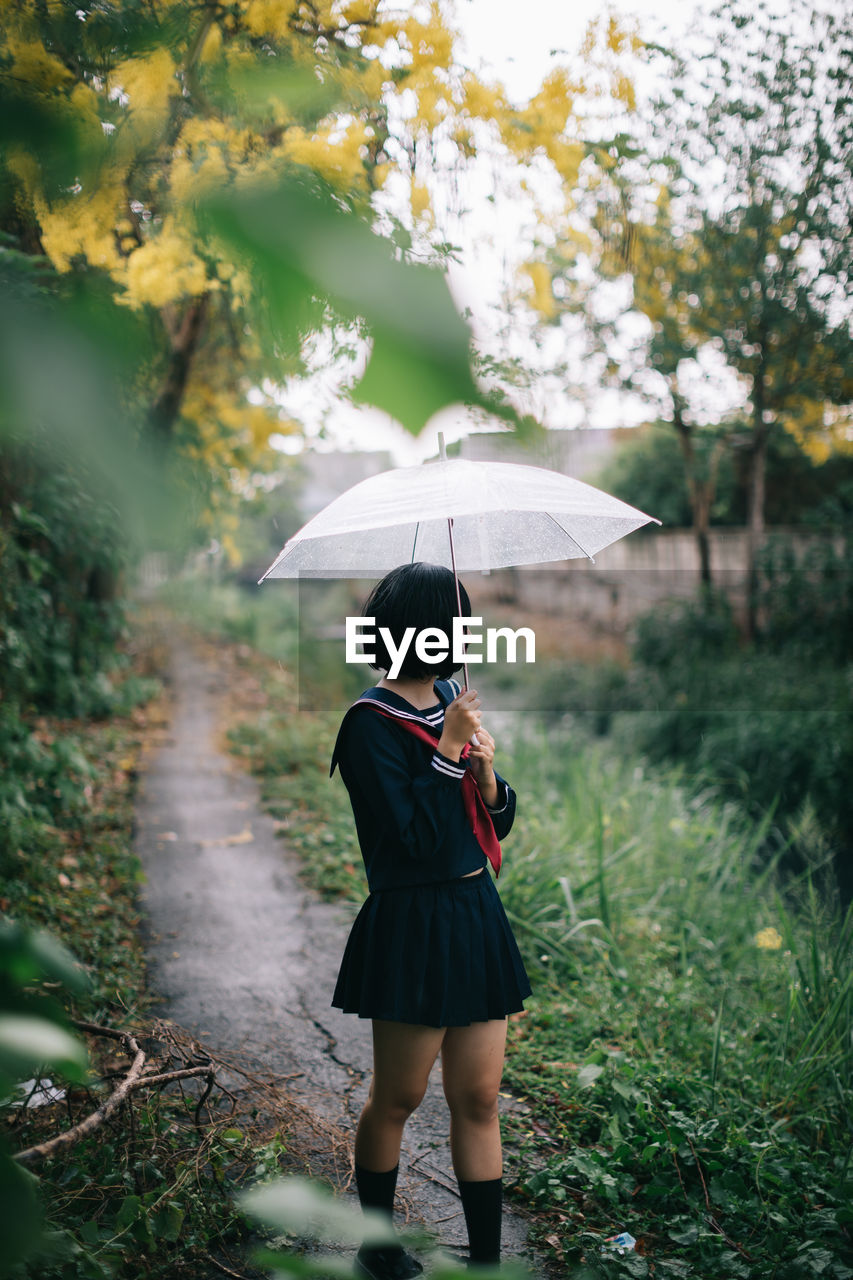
(307,247)
(297,1206)
(28,1043)
(21,1216)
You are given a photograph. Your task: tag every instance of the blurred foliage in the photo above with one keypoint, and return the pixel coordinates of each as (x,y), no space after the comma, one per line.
(267,520)
(297,1208)
(647,468)
(302,244)
(650,466)
(62,565)
(807,595)
(216,177)
(34,1037)
(66,869)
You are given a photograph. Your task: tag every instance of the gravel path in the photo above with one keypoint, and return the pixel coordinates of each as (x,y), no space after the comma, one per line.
(244,956)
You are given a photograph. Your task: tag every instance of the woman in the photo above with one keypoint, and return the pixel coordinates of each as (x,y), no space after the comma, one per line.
(431,958)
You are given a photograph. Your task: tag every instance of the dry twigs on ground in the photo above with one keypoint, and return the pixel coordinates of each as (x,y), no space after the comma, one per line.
(133,1079)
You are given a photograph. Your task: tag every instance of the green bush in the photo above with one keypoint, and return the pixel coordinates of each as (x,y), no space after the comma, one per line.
(769,724)
(807,599)
(685,632)
(62,556)
(647,470)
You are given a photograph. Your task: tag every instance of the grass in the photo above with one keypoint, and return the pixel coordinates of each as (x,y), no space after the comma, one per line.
(689,1044)
(76,875)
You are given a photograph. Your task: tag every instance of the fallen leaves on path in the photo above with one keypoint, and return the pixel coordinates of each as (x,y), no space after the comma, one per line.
(242,837)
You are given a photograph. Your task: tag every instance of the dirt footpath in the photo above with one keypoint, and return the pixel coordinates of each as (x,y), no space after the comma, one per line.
(245,957)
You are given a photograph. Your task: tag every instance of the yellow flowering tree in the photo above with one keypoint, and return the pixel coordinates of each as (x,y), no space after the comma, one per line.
(121,125)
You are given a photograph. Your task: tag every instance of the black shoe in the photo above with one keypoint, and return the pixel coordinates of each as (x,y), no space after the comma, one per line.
(390,1263)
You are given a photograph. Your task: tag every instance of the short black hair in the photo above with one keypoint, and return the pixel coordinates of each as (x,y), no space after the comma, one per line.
(416,595)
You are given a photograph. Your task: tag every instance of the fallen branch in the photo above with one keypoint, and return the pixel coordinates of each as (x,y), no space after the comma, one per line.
(430,1177)
(134,1079)
(226,1271)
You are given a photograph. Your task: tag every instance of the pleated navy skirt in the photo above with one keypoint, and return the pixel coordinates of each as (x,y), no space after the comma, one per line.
(438,955)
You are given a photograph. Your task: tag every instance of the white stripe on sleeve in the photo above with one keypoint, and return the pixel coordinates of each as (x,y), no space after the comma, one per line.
(446,767)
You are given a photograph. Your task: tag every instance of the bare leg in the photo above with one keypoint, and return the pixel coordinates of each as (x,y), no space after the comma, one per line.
(403,1056)
(472,1064)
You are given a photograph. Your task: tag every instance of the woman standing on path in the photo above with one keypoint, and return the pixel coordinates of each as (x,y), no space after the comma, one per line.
(431,958)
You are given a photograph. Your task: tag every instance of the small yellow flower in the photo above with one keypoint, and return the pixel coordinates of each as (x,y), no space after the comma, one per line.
(150,84)
(768,939)
(540,295)
(420,200)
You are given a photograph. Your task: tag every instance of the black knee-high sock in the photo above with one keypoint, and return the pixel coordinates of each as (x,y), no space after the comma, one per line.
(376,1191)
(482,1203)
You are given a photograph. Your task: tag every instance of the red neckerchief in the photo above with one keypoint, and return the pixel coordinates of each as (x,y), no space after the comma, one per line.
(475,807)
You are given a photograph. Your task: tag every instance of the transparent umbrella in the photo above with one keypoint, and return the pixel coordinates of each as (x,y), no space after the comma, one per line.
(463,514)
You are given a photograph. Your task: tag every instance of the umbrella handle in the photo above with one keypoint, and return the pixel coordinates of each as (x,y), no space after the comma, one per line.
(475,741)
(443,455)
(458,596)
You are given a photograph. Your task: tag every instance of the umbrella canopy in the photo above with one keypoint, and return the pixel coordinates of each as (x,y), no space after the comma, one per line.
(502,514)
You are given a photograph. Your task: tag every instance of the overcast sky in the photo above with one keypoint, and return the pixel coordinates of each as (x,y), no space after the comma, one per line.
(521,42)
(517,43)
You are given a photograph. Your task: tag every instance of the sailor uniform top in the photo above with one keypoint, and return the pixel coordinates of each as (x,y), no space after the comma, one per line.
(407,799)
(431,944)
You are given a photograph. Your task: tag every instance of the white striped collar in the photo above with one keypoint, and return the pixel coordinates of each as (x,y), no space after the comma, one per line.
(432,718)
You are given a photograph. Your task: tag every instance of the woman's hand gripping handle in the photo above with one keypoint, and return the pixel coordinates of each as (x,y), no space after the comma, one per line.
(461,721)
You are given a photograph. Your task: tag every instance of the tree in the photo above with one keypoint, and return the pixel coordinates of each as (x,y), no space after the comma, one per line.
(774,294)
(662,261)
(731,226)
(122,124)
(648,468)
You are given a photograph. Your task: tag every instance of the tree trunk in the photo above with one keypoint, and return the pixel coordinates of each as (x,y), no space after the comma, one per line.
(755,520)
(184,343)
(699,494)
(703,542)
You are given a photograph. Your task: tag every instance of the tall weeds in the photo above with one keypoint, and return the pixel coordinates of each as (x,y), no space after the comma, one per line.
(691,1036)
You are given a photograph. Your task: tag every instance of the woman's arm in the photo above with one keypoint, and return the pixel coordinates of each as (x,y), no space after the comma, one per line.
(498,796)
(503,813)
(420,805)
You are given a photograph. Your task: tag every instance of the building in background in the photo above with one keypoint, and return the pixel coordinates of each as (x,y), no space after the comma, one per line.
(327,475)
(580,452)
